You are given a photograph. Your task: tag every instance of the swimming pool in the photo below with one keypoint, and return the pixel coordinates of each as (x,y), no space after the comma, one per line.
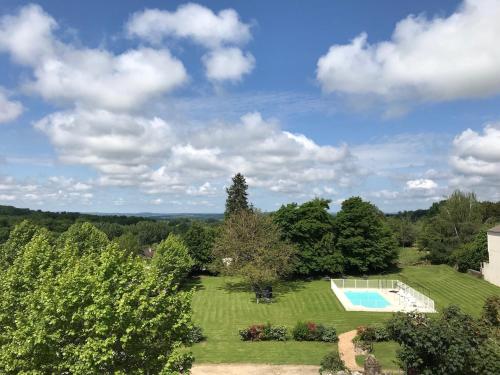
(367,299)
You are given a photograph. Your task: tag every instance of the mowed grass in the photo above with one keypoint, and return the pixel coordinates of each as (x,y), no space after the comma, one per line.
(385,352)
(222,306)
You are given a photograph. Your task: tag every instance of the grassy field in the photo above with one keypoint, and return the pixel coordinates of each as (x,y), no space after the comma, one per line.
(410,256)
(222,306)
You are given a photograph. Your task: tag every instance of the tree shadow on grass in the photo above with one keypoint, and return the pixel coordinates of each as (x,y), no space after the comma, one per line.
(279,289)
(193,283)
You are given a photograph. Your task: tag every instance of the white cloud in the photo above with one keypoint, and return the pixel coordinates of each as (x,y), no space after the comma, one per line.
(478,154)
(434,59)
(63,72)
(9,110)
(421,183)
(122,147)
(191,21)
(228,64)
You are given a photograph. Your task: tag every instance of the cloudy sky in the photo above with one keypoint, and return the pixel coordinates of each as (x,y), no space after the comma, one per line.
(127,106)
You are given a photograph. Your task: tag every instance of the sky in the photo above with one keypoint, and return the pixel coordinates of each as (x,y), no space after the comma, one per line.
(152,106)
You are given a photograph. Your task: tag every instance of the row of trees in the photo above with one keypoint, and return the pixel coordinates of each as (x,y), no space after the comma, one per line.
(302,240)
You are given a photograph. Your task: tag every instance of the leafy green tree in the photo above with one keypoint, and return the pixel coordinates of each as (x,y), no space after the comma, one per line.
(250,246)
(19,237)
(453,344)
(310,227)
(457,221)
(150,232)
(81,305)
(364,238)
(171,258)
(237,196)
(200,240)
(129,242)
(404,230)
(472,254)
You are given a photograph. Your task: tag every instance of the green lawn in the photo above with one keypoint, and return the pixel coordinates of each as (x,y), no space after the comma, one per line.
(222,307)
(410,256)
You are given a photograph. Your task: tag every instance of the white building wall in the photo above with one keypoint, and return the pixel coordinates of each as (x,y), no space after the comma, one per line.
(491,270)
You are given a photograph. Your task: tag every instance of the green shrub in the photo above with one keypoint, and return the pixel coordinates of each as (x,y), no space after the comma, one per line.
(261,332)
(331,363)
(195,335)
(373,333)
(300,332)
(314,332)
(328,334)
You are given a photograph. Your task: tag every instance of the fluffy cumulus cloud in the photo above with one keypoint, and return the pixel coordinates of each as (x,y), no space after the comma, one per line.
(475,161)
(421,184)
(228,64)
(271,158)
(427,59)
(120,146)
(9,110)
(63,72)
(191,21)
(220,33)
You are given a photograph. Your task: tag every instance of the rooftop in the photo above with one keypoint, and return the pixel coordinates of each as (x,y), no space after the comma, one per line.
(495,229)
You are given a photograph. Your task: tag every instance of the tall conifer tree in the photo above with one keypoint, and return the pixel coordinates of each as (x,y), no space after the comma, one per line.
(237,196)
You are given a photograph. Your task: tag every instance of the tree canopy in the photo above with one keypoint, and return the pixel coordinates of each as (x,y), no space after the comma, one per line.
(80,304)
(310,226)
(363,237)
(250,245)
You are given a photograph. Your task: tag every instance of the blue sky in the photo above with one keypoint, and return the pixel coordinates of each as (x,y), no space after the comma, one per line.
(119,107)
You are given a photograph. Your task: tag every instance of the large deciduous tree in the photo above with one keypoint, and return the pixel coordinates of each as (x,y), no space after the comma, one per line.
(457,221)
(237,196)
(364,238)
(200,240)
(310,227)
(250,245)
(81,305)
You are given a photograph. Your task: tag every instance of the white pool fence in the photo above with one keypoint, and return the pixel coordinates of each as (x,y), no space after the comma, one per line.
(407,296)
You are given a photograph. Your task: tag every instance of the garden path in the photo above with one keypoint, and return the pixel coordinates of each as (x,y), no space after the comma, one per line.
(347,352)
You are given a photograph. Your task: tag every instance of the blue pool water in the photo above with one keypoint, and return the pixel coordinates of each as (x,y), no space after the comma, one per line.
(367,299)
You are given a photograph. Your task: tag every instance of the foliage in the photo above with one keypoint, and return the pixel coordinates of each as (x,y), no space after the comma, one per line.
(150,232)
(450,344)
(363,237)
(195,335)
(171,259)
(310,227)
(376,333)
(264,332)
(129,243)
(250,245)
(331,363)
(237,196)
(491,311)
(20,236)
(200,240)
(309,331)
(81,305)
(457,221)
(472,254)
(404,229)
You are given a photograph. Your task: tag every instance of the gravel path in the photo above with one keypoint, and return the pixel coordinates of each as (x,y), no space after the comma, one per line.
(346,350)
(253,369)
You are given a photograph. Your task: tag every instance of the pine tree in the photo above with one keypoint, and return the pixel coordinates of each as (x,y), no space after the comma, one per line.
(237,196)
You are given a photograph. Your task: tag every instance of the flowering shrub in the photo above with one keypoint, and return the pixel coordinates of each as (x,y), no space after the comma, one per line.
(314,332)
(372,333)
(261,332)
